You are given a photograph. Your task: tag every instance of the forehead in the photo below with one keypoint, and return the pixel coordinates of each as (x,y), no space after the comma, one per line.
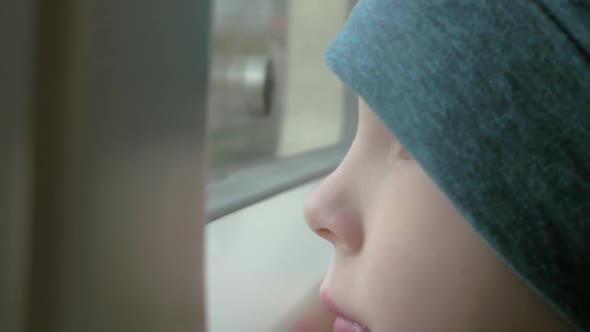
(371,127)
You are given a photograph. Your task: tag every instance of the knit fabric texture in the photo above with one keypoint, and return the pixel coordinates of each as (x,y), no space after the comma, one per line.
(492,98)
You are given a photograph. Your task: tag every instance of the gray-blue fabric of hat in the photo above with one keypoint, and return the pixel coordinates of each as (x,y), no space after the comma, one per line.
(492,98)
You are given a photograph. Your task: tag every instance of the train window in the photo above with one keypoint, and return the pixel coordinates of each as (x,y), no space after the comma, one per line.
(276,116)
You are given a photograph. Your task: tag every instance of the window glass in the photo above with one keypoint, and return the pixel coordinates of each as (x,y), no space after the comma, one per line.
(271,96)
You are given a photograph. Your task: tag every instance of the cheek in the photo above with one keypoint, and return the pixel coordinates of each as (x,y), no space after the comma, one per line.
(416,255)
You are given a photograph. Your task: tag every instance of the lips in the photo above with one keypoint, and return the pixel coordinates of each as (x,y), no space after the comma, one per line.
(342,323)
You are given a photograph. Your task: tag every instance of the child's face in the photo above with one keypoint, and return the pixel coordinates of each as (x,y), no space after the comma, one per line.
(405,260)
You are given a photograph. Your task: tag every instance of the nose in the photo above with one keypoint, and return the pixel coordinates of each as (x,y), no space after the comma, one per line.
(332,212)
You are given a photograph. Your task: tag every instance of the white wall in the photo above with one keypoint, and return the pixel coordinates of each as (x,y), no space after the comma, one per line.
(261,262)
(315,97)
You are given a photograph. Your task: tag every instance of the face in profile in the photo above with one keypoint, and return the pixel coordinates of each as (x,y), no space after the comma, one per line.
(404,258)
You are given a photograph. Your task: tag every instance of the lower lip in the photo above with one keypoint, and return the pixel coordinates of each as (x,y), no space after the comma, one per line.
(345,325)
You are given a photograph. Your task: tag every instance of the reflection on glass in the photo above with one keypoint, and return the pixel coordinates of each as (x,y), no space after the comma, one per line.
(270,94)
(244,96)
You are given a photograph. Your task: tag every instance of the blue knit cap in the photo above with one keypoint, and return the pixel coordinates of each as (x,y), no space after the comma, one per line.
(492,98)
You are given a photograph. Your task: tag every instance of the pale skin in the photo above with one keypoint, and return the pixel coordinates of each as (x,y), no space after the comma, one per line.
(404,258)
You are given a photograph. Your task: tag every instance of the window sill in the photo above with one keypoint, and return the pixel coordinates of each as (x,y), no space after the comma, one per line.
(251,185)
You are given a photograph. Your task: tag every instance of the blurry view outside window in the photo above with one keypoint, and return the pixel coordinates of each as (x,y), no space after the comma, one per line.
(271,96)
